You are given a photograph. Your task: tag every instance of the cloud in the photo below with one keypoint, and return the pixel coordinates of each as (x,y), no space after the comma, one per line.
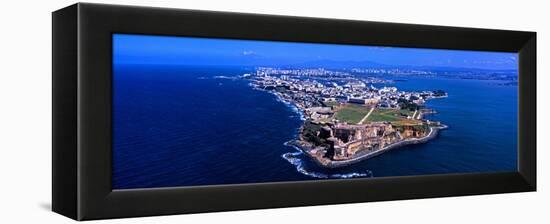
(378,48)
(247,53)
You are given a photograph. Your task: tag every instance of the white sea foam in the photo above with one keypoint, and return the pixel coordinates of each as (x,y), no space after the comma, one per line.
(293,107)
(293,158)
(222,77)
(226,77)
(288,104)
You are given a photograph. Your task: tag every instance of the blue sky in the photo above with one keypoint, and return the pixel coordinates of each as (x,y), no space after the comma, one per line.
(149,49)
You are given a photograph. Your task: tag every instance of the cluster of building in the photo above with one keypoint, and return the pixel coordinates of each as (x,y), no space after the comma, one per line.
(306,87)
(392,71)
(316,94)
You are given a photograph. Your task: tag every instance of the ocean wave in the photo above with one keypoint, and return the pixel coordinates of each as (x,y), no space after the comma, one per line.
(293,158)
(292,107)
(226,77)
(278,98)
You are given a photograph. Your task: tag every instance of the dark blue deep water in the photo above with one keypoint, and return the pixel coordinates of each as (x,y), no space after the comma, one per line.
(181,126)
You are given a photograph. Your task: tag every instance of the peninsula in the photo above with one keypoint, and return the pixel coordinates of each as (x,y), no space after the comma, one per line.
(346,118)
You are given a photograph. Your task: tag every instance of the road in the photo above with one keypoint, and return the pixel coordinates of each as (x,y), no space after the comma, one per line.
(366,116)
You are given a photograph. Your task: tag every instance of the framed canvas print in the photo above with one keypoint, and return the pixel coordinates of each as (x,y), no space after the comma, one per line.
(167,111)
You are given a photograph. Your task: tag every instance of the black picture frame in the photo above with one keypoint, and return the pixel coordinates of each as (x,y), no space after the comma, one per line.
(82,111)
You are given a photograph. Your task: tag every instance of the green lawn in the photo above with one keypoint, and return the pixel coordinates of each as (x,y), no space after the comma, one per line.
(352,113)
(406,111)
(383,115)
(397,117)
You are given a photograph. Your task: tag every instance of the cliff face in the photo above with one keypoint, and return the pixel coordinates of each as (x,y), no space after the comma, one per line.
(348,140)
(316,134)
(414,131)
(343,141)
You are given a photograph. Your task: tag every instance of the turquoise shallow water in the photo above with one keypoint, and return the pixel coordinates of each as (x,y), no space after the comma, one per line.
(180,126)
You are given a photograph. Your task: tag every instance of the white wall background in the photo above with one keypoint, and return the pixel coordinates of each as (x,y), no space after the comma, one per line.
(25,112)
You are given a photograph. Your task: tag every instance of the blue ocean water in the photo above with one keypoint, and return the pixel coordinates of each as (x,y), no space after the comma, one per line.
(186,126)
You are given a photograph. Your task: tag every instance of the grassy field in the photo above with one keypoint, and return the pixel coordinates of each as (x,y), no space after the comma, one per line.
(392,115)
(383,115)
(352,113)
